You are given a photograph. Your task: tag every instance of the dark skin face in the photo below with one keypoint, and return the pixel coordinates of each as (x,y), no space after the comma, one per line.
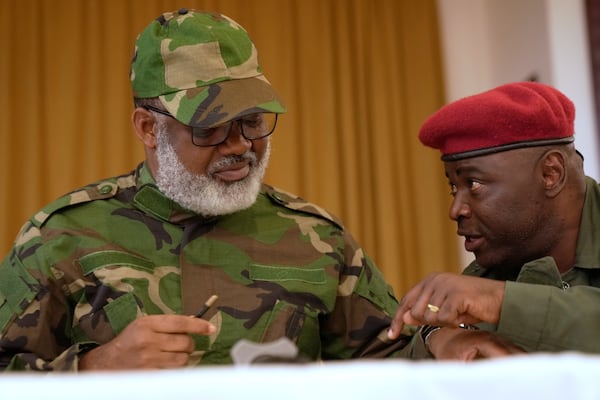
(195,159)
(512,207)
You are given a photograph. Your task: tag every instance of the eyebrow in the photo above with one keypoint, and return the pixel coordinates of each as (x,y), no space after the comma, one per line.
(467,169)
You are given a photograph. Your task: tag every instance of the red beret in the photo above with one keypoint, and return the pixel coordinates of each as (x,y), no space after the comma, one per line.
(511,116)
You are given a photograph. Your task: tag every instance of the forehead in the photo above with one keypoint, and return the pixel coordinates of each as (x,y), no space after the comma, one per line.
(497,164)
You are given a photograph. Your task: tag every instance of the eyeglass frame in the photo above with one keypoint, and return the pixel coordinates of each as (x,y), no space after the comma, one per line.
(230,122)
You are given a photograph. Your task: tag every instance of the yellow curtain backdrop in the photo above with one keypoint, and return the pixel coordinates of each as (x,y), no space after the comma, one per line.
(358,76)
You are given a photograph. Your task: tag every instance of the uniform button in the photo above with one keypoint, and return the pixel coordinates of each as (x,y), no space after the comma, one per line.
(105,189)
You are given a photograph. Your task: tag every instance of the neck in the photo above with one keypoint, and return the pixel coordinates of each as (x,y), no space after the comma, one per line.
(566,247)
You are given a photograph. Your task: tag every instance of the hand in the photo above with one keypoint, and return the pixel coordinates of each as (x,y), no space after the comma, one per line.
(468,345)
(459,299)
(149,342)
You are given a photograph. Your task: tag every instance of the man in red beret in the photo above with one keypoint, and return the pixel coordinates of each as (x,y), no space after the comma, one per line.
(529,215)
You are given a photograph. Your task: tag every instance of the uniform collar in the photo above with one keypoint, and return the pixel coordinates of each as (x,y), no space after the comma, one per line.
(151,200)
(588,249)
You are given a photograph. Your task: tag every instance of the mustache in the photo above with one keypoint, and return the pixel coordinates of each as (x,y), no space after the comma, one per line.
(224,162)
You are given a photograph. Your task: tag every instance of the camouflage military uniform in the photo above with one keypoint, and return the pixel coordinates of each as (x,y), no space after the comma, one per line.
(94,260)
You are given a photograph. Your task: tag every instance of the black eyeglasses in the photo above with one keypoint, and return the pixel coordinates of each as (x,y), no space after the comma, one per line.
(252,126)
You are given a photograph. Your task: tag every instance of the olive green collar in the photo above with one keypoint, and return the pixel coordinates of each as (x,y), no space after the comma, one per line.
(587,253)
(151,200)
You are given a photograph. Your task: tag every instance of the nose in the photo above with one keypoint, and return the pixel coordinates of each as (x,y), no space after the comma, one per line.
(235,143)
(459,208)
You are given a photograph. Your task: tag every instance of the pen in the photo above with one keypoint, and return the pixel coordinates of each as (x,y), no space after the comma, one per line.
(207,304)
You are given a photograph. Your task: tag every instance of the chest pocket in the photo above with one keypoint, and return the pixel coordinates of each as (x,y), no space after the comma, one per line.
(127,286)
(295,314)
(288,275)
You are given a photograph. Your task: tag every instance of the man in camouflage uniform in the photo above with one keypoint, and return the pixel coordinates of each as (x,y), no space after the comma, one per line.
(109,276)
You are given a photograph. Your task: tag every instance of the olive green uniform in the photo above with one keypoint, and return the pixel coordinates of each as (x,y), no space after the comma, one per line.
(94,260)
(544,311)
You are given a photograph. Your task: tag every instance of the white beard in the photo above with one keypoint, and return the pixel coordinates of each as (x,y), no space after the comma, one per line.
(205,194)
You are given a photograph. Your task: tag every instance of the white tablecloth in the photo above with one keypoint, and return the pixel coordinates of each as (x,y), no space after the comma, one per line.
(540,376)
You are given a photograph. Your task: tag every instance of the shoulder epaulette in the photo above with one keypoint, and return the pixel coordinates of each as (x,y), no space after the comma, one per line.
(96,191)
(293,202)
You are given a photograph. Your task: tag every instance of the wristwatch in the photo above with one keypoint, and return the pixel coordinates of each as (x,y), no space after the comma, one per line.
(426,331)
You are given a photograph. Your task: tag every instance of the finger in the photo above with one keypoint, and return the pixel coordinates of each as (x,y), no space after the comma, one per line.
(513,348)
(448,313)
(440,304)
(470,355)
(408,301)
(176,343)
(494,349)
(406,314)
(404,307)
(171,323)
(167,359)
(427,306)
(174,360)
(396,326)
(408,319)
(166,351)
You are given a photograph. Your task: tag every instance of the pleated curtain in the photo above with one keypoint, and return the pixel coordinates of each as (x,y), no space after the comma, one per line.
(358,78)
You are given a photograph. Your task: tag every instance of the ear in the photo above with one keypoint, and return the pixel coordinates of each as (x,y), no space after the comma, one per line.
(554,172)
(143,122)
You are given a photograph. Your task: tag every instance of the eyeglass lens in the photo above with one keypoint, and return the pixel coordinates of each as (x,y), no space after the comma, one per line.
(252,127)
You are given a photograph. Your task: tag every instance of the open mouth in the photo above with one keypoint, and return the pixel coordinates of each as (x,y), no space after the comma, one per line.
(473,242)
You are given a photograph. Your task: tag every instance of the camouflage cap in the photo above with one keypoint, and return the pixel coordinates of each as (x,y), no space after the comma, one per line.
(203,67)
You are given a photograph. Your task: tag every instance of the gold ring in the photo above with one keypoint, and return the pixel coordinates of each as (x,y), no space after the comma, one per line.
(433,308)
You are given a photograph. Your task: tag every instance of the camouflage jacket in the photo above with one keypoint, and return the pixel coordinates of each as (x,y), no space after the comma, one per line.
(92,261)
